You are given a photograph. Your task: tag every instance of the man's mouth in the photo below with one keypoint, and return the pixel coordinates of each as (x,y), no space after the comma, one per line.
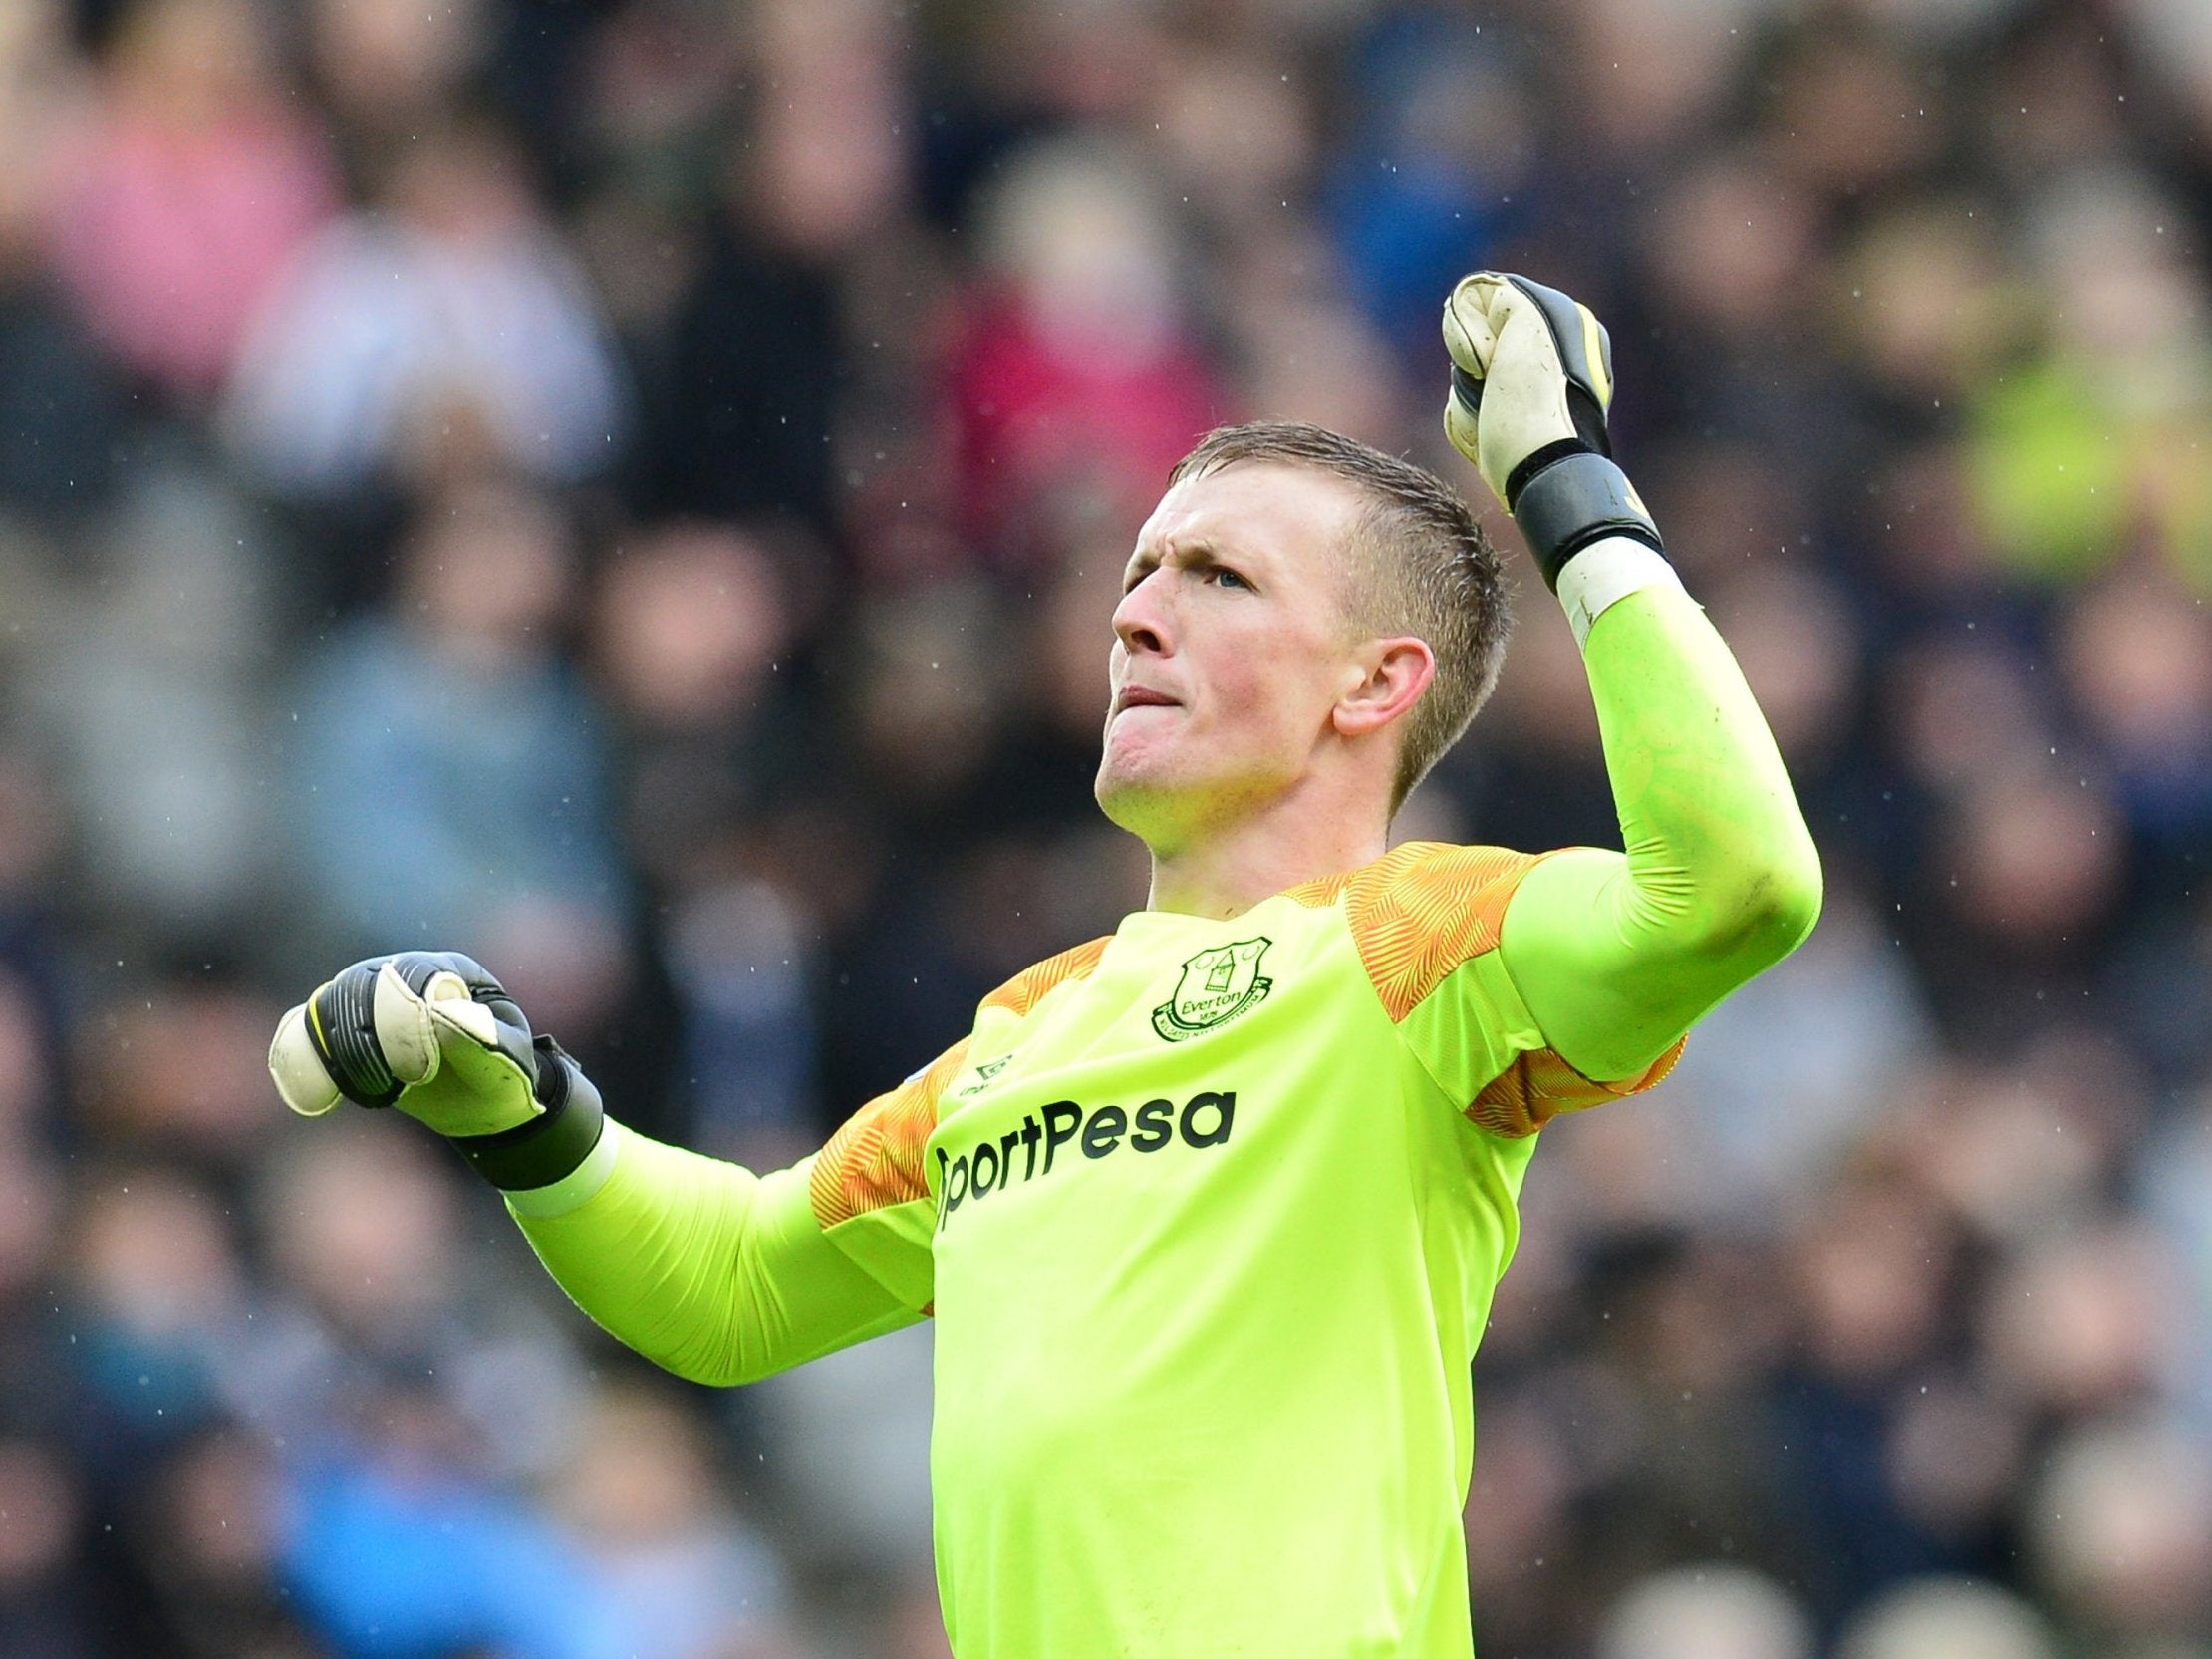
(1142,697)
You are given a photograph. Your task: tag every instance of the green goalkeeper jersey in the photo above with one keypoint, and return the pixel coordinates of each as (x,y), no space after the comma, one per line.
(1210,1213)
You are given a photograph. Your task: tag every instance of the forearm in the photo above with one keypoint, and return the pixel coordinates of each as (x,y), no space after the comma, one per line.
(716,1273)
(1618,955)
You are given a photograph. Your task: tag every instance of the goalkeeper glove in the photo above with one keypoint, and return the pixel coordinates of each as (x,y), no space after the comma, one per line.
(1532,378)
(437,1037)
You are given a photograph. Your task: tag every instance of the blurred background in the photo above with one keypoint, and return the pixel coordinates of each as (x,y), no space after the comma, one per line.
(634,489)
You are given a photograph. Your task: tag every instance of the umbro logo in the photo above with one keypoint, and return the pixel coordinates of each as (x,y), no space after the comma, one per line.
(985,1073)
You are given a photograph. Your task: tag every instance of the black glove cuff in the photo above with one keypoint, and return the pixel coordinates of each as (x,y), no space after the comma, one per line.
(1577,499)
(550,1146)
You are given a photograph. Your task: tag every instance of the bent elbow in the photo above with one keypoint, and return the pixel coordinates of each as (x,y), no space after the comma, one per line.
(1776,906)
(708,1356)
(748,1369)
(707,1373)
(1755,915)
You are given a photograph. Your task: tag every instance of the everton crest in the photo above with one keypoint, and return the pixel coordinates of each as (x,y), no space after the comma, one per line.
(1217,985)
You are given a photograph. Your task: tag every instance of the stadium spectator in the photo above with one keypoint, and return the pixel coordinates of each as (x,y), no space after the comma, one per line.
(196,185)
(448,320)
(461,690)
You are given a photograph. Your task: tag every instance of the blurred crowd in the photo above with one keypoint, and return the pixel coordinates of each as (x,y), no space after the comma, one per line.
(634,489)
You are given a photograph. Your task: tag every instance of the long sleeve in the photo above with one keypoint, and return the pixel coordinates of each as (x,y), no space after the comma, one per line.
(1618,955)
(716,1273)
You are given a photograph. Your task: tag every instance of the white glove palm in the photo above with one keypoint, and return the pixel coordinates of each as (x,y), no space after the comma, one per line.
(1531,380)
(1525,347)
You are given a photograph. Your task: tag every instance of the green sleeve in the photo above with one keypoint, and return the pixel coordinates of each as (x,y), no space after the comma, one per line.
(716,1273)
(1616,956)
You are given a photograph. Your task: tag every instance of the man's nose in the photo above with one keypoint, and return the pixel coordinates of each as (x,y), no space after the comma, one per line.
(1140,621)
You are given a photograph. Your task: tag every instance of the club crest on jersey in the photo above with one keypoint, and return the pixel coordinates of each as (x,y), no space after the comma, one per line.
(1217,985)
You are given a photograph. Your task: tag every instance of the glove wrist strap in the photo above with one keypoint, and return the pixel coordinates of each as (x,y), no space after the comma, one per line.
(575,1189)
(1603,574)
(552,1144)
(1579,499)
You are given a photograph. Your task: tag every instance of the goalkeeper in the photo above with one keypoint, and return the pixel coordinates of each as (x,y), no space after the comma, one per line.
(1210,1213)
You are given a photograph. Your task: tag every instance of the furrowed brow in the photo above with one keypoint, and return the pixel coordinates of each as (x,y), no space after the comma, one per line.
(1203,556)
(1191,553)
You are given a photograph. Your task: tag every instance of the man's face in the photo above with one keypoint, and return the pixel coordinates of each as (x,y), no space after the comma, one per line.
(1230,647)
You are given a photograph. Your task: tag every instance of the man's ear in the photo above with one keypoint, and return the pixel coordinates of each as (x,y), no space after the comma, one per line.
(1395,673)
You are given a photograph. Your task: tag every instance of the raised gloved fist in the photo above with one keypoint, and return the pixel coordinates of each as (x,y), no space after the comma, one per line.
(1531,380)
(437,1037)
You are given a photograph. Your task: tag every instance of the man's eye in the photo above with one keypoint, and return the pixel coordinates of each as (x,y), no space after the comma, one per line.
(1229,578)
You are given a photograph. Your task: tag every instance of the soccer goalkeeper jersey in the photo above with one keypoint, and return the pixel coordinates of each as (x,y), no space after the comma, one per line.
(1211,1214)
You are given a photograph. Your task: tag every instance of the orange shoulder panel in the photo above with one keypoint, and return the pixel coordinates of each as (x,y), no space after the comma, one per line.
(1027,989)
(1422,910)
(1316,895)
(1540,1085)
(875,1158)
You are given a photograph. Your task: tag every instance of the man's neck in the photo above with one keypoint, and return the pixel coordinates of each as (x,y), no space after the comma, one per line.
(1231,868)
